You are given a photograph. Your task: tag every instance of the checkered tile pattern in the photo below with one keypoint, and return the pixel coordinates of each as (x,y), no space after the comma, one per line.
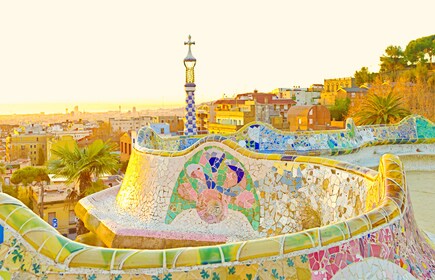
(190,118)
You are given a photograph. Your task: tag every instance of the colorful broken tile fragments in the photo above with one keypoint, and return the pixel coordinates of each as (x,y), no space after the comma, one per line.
(212,182)
(263,138)
(314,218)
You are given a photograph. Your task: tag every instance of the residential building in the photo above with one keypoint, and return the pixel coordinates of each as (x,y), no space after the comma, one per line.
(172,121)
(331,87)
(75,134)
(302,96)
(127,124)
(203,115)
(316,87)
(353,93)
(53,206)
(13,166)
(309,117)
(67,141)
(126,144)
(233,113)
(31,146)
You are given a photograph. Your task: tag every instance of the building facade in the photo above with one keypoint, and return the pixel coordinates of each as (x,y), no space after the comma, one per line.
(331,87)
(127,124)
(32,146)
(55,209)
(126,144)
(65,141)
(232,113)
(309,117)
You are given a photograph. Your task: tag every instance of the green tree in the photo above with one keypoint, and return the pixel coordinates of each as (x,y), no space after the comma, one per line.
(26,176)
(392,61)
(417,50)
(82,165)
(29,174)
(380,109)
(340,109)
(363,76)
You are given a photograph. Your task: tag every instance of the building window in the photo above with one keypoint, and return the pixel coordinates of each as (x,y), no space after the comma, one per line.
(311,112)
(72,217)
(22,147)
(129,149)
(311,121)
(51,216)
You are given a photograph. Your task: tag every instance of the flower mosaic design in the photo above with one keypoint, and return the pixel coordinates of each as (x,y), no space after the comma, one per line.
(213,182)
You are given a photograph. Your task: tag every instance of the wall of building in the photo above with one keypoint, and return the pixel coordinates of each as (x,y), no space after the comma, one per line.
(316,117)
(55,206)
(33,147)
(66,141)
(133,123)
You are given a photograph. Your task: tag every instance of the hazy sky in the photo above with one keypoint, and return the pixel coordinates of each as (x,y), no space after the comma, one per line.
(73,52)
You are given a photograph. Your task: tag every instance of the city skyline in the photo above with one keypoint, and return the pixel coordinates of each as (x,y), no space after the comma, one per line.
(59,55)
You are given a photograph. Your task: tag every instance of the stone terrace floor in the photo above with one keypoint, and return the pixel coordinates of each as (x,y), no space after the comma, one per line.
(422,187)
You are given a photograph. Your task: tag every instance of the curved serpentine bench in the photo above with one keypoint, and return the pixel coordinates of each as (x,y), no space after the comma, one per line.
(346,221)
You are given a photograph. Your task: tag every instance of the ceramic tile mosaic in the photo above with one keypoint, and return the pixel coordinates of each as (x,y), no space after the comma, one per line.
(265,139)
(214,182)
(290,216)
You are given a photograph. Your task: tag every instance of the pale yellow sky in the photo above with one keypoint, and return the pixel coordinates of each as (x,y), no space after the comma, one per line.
(75,52)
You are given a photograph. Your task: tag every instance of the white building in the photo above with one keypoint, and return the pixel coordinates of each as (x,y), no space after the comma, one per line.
(128,124)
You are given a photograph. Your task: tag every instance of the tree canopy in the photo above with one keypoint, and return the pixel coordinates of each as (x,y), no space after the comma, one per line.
(81,165)
(421,50)
(340,109)
(392,61)
(29,174)
(363,76)
(381,109)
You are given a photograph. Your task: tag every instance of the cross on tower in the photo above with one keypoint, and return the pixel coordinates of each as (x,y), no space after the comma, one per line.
(189,42)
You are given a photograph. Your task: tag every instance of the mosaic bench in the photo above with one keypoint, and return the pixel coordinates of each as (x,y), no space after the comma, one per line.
(261,215)
(263,138)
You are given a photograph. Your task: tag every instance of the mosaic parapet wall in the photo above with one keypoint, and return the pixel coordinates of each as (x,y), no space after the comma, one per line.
(218,195)
(263,138)
(382,242)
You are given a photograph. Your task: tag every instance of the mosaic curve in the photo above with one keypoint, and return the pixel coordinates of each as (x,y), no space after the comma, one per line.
(30,248)
(213,181)
(263,138)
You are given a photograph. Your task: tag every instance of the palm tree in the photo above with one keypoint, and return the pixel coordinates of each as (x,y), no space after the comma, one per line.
(82,165)
(378,109)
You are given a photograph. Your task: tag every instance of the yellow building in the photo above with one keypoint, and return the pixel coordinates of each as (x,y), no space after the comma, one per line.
(33,147)
(331,89)
(229,121)
(230,114)
(126,143)
(203,118)
(55,207)
(59,141)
